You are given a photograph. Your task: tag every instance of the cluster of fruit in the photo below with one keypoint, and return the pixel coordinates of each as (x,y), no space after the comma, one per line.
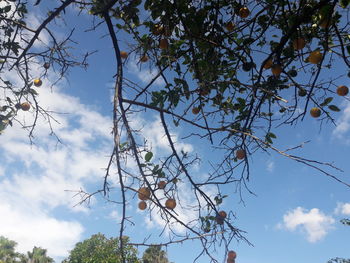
(144,194)
(25,106)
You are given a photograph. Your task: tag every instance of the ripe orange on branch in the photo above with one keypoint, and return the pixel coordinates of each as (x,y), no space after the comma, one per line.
(315,112)
(230,26)
(170,203)
(276,69)
(223,214)
(123,54)
(240,154)
(268,64)
(37,82)
(342,90)
(142,205)
(25,106)
(315,57)
(231,255)
(244,12)
(144,193)
(161,184)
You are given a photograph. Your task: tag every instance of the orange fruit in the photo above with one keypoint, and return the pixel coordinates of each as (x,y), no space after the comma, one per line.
(231,255)
(195,110)
(161,184)
(144,193)
(230,260)
(299,43)
(144,58)
(170,203)
(230,26)
(25,106)
(163,43)
(142,205)
(240,154)
(243,12)
(342,90)
(315,57)
(37,82)
(46,65)
(315,112)
(268,64)
(222,214)
(276,69)
(123,54)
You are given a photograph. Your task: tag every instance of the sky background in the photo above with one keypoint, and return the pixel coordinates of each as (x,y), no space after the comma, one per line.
(294,215)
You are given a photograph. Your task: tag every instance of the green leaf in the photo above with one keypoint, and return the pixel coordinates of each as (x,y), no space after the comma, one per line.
(148,156)
(333,108)
(326,101)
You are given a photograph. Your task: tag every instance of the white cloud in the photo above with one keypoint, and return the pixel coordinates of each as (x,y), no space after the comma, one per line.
(313,223)
(31,228)
(37,176)
(343,124)
(343,209)
(143,73)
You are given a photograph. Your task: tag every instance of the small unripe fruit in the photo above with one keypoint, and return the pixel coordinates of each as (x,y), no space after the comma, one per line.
(315,57)
(230,26)
(231,255)
(276,69)
(195,110)
(268,64)
(46,65)
(299,43)
(222,214)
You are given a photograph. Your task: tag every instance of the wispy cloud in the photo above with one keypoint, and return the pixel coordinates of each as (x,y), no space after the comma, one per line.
(270,166)
(313,223)
(343,209)
(343,123)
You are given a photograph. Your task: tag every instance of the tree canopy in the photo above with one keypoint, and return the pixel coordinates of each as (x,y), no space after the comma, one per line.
(232,72)
(98,248)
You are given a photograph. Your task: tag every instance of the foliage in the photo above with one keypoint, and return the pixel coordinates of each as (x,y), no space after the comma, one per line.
(232,72)
(7,251)
(98,248)
(155,254)
(38,255)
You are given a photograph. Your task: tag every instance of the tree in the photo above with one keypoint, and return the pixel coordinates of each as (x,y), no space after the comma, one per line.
(98,248)
(38,255)
(233,71)
(155,254)
(346,222)
(8,253)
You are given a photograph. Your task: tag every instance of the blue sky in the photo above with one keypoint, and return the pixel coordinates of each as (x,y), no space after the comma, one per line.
(293,217)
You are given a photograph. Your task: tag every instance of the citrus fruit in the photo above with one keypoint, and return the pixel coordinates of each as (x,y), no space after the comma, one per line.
(315,57)
(240,154)
(315,112)
(170,203)
(144,193)
(222,214)
(230,26)
(161,184)
(37,82)
(123,54)
(46,65)
(231,255)
(268,64)
(276,69)
(142,205)
(25,106)
(342,90)
(243,12)
(195,110)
